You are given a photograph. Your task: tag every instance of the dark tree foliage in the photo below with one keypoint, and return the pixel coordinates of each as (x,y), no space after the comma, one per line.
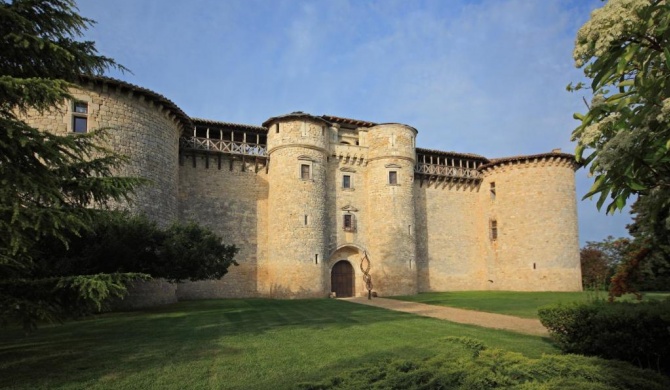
(118,242)
(600,260)
(595,272)
(48,182)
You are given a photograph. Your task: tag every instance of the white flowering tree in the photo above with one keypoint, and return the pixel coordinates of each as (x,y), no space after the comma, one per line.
(624,137)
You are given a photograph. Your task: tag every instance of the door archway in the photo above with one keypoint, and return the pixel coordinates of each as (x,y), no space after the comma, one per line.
(342,279)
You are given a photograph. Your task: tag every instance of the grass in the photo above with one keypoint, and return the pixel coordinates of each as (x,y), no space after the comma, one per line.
(236,344)
(520,304)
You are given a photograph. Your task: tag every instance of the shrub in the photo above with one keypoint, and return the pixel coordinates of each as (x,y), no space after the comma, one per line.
(634,332)
(467,364)
(118,242)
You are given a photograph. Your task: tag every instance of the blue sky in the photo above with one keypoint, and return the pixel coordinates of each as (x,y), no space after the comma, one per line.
(485,77)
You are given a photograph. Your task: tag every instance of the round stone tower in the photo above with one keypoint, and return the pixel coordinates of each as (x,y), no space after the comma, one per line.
(391,243)
(141,125)
(532,207)
(297,210)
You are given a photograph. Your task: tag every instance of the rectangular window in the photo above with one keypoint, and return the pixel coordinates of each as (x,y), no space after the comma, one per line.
(277,128)
(349,223)
(493,191)
(81,107)
(393,177)
(80,117)
(494,230)
(346,181)
(305,171)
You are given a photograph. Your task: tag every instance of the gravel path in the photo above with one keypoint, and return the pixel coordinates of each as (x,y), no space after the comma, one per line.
(462,316)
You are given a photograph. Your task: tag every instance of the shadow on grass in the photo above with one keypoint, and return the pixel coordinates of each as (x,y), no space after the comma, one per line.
(82,353)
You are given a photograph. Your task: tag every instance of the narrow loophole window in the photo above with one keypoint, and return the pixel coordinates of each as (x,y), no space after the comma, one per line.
(493,191)
(316,259)
(494,230)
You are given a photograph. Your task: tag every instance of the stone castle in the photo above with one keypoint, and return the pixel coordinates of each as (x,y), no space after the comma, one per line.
(309,199)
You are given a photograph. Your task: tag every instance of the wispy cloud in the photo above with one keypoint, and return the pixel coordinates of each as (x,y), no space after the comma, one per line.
(484,76)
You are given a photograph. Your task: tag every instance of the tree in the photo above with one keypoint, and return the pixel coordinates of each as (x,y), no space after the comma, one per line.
(118,242)
(600,259)
(595,272)
(624,137)
(48,182)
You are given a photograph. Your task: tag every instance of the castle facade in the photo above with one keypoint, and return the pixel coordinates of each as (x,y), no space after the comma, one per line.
(320,204)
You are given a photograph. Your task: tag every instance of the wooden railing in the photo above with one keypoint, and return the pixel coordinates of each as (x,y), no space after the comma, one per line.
(223,146)
(447,171)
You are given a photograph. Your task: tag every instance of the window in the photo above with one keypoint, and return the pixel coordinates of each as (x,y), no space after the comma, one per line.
(494,230)
(277,128)
(305,173)
(80,117)
(349,223)
(493,191)
(346,181)
(393,177)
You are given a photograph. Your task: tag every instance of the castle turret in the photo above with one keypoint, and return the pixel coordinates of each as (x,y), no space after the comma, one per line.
(390,208)
(141,125)
(533,241)
(297,229)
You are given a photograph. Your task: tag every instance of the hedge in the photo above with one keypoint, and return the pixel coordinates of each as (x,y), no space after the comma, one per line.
(638,333)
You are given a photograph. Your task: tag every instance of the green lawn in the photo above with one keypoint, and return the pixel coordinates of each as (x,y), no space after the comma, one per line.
(520,304)
(241,344)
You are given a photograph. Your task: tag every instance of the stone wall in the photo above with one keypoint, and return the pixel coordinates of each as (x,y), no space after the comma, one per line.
(537,248)
(143,131)
(143,294)
(232,202)
(450,233)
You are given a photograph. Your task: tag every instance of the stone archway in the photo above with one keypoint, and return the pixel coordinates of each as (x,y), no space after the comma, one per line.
(342,279)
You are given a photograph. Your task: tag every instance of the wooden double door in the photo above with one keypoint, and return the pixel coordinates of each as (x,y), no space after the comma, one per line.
(342,279)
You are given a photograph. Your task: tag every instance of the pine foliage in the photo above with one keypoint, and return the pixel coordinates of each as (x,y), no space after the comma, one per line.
(49,183)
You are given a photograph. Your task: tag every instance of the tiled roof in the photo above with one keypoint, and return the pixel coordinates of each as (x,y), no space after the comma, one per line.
(228,125)
(452,154)
(348,121)
(296,115)
(497,161)
(181,116)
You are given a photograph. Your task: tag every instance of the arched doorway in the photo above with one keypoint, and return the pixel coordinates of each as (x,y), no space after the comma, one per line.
(342,279)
